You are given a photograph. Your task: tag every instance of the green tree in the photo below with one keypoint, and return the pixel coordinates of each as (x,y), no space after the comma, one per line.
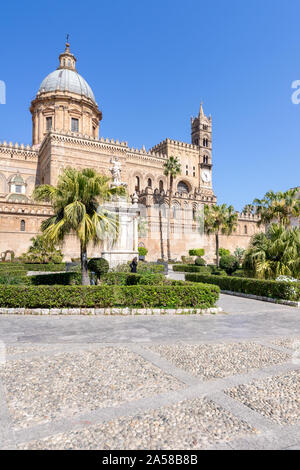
(77,201)
(275,253)
(239,254)
(42,250)
(219,220)
(280,207)
(171,169)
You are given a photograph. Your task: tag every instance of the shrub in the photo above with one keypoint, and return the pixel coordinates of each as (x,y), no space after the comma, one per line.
(197,252)
(176,296)
(199,261)
(187,259)
(190,268)
(240,273)
(273,289)
(150,268)
(142,251)
(239,254)
(45,267)
(229,264)
(14,278)
(99,266)
(151,279)
(69,278)
(42,251)
(223,252)
(130,279)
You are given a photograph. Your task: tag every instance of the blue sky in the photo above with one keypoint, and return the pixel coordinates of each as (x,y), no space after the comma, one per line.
(151,63)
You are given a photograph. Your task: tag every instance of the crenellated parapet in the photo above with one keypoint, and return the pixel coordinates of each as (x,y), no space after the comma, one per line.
(84,140)
(18,151)
(162,146)
(248,217)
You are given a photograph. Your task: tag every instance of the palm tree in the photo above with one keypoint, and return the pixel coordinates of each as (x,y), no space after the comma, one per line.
(280,206)
(171,169)
(275,253)
(220,220)
(76,202)
(249,209)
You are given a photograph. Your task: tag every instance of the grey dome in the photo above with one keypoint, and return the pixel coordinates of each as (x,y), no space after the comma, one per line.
(67,80)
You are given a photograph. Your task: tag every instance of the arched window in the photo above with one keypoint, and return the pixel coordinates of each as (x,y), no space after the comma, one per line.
(22,226)
(149,182)
(182,187)
(137,183)
(245,229)
(69,63)
(161,185)
(174,210)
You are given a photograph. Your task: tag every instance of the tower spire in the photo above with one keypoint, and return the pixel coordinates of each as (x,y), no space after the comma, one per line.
(67,44)
(201,113)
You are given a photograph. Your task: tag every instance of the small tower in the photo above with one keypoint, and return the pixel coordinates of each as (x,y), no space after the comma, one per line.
(201,134)
(66,59)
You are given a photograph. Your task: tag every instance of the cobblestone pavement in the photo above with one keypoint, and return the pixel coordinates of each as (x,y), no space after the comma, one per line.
(226,381)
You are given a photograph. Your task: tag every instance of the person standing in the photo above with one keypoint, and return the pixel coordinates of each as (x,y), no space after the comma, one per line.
(133,265)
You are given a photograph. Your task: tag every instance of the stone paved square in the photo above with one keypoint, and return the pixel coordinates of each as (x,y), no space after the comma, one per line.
(277,398)
(148,382)
(46,388)
(211,361)
(191,424)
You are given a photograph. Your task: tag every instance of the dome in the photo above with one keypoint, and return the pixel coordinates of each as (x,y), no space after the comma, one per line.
(66,79)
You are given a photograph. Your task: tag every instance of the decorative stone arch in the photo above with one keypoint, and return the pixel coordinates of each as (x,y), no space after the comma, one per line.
(175,209)
(180,184)
(139,175)
(162,184)
(148,177)
(4,255)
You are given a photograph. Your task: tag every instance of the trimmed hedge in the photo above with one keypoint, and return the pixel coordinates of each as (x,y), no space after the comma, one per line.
(65,279)
(264,288)
(15,278)
(12,267)
(192,295)
(191,268)
(132,279)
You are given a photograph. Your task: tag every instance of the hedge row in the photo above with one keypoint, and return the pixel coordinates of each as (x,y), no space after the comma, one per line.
(192,295)
(66,279)
(191,268)
(131,279)
(272,289)
(12,267)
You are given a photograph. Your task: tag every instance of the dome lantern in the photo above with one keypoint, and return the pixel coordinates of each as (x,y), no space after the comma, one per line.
(66,59)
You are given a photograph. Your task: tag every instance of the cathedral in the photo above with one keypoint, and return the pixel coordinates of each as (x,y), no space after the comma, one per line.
(65,132)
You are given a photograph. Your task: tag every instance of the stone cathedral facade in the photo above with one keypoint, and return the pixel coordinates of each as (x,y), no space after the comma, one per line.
(65,132)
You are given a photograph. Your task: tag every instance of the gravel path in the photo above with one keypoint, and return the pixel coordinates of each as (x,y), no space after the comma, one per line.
(205,383)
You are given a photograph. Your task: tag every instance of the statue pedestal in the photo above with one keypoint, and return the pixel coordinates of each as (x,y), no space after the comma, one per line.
(125,248)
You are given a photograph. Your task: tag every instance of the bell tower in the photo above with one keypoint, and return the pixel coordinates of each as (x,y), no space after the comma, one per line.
(201,136)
